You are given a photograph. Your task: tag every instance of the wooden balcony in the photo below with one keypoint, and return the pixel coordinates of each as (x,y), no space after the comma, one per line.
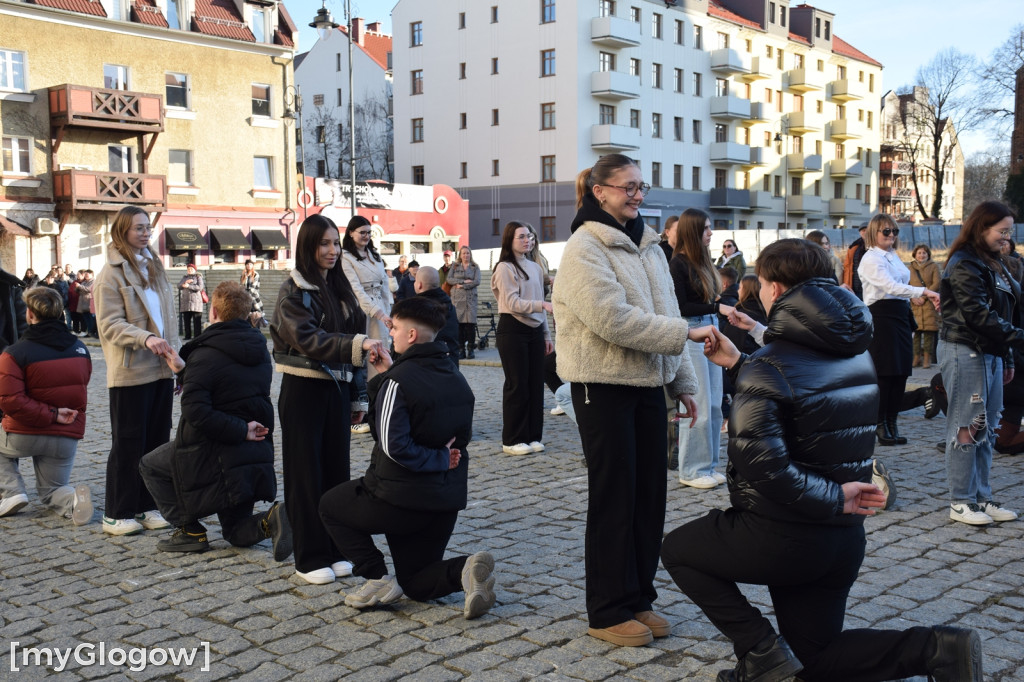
(896,168)
(896,194)
(79,190)
(82,106)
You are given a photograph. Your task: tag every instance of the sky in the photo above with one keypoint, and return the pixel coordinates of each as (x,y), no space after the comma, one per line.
(901,34)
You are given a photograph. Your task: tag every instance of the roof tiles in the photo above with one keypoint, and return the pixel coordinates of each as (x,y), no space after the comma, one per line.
(82,6)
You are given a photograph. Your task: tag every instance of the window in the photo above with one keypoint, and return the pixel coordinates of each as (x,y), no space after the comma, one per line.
(462,20)
(416,34)
(840,72)
(494,65)
(494,117)
(795,187)
(655,174)
(656,76)
(337,61)
(547,11)
(341,102)
(607,114)
(263,172)
(695,178)
(547,168)
(698,37)
(258,24)
(746,182)
(179,167)
(798,102)
(677,128)
(115,76)
(680,32)
(417,82)
(696,85)
(778,185)
(778,97)
(798,144)
(821,65)
(871,82)
(417,130)
(857,192)
(867,161)
(320,134)
(798,61)
(634,67)
(817,188)
(260,100)
(318,100)
(17,153)
(819,106)
(547,63)
(321,168)
(634,118)
(462,121)
(607,8)
(495,226)
(494,14)
(723,40)
(173,14)
(656,25)
(780,59)
(871,121)
(176,91)
(837,190)
(607,61)
(782,15)
(766,183)
(463,170)
(418,176)
(840,151)
(547,228)
(494,167)
(721,87)
(462,71)
(695,136)
(721,132)
(771,12)
(677,176)
(828,30)
(655,125)
(634,14)
(547,116)
(677,78)
(719,178)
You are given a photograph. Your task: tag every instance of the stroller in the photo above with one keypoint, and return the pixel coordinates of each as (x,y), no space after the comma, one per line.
(492,329)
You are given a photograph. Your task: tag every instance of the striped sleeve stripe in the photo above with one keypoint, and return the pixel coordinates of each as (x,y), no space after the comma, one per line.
(387,407)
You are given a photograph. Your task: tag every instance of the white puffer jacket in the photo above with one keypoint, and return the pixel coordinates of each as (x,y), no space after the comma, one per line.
(616,314)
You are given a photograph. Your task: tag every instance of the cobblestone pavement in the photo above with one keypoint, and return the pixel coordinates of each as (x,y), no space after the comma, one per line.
(64,586)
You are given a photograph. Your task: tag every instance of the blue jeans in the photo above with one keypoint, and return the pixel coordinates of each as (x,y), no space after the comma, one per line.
(698,446)
(974,387)
(563,396)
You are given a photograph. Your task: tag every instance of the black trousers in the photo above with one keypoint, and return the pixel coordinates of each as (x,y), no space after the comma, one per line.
(809,570)
(521,349)
(315,433)
(890,396)
(191,324)
(238,524)
(551,378)
(140,421)
(467,335)
(417,540)
(624,442)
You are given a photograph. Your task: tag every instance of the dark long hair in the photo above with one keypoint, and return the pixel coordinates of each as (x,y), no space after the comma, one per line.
(690,244)
(349,244)
(984,216)
(507,255)
(340,305)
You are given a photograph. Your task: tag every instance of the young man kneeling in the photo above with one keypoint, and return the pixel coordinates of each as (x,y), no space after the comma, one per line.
(800,443)
(421,418)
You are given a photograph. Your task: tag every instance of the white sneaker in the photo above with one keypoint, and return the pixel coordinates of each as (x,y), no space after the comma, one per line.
(342,569)
(718,477)
(360,428)
(318,576)
(517,449)
(81,508)
(478,585)
(379,591)
(152,520)
(121,526)
(704,482)
(13,504)
(996,512)
(537,446)
(557,410)
(970,513)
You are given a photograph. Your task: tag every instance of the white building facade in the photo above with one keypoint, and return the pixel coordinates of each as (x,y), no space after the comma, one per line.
(752,110)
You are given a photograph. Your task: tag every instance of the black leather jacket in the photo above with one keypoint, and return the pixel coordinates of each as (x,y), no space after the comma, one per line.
(980,308)
(804,413)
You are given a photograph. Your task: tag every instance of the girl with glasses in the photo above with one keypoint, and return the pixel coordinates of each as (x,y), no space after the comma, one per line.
(732,257)
(887,292)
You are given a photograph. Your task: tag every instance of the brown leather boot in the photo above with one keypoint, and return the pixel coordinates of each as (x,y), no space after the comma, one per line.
(1010,440)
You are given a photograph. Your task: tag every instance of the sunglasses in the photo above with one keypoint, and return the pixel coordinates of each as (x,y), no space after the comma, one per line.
(894,231)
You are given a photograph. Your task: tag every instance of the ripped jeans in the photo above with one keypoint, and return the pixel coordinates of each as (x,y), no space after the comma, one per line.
(974,386)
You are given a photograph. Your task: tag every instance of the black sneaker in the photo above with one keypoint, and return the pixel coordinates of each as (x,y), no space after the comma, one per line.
(957,656)
(183,541)
(775,662)
(277,527)
(931,406)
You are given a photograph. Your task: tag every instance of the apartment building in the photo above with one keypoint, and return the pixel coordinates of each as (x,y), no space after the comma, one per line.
(908,177)
(751,109)
(172,105)
(322,75)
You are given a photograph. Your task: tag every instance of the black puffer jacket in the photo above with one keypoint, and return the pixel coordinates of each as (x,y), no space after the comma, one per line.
(226,385)
(804,412)
(979,308)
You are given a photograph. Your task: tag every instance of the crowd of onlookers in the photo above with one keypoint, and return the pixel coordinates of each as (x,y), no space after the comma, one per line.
(75,289)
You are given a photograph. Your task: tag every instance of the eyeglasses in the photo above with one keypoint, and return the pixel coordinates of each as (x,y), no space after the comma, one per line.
(728,246)
(631,189)
(147,229)
(363,233)
(894,231)
(1005,234)
(527,237)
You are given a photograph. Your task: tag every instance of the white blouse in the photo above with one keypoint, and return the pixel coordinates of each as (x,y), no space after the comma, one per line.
(884,276)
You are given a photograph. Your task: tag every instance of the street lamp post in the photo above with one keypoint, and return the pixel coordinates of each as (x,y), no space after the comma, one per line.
(782,137)
(293,111)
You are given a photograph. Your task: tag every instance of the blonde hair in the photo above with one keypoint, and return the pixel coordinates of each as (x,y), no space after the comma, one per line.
(119,237)
(875,226)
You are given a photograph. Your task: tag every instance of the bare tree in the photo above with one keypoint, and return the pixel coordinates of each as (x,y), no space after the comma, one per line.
(998,77)
(321,139)
(985,175)
(375,137)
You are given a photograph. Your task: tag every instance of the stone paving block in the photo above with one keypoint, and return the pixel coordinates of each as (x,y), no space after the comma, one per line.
(493,675)
(363,658)
(449,646)
(593,668)
(474,662)
(307,658)
(246,659)
(434,673)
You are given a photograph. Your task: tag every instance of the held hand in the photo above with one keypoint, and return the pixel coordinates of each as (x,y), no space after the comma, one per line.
(933,297)
(722,352)
(549,348)
(65,415)
(1008,375)
(862,499)
(256,431)
(373,348)
(383,317)
(158,346)
(357,417)
(383,362)
(454,454)
(547,307)
(741,320)
(917,301)
(688,407)
(174,361)
(726,310)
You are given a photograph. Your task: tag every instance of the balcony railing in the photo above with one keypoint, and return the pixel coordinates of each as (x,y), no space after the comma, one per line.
(803,163)
(729,198)
(846,129)
(804,204)
(844,207)
(605,137)
(76,190)
(763,156)
(730,153)
(614,85)
(801,122)
(805,80)
(896,194)
(896,168)
(730,107)
(760,68)
(728,62)
(614,32)
(845,168)
(761,199)
(758,112)
(844,90)
(79,105)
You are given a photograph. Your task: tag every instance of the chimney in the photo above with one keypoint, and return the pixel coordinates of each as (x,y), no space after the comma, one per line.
(373,28)
(357,30)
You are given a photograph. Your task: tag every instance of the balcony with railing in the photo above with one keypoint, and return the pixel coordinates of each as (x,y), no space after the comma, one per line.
(614,32)
(763,156)
(896,168)
(803,163)
(730,153)
(614,85)
(80,190)
(845,168)
(614,138)
(804,204)
(761,199)
(844,90)
(728,62)
(730,107)
(892,194)
(844,207)
(82,106)
(726,198)
(760,68)
(845,129)
(758,112)
(805,80)
(802,122)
